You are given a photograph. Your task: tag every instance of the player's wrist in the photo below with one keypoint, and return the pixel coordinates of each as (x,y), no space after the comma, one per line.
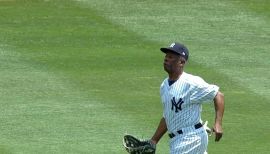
(153,141)
(218,123)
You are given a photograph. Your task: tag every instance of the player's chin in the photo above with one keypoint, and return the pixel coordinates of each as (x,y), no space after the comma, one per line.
(166,68)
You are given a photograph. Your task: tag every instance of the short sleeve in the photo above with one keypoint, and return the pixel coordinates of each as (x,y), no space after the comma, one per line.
(203,92)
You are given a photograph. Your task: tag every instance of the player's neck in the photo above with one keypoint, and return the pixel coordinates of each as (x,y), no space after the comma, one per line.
(175,75)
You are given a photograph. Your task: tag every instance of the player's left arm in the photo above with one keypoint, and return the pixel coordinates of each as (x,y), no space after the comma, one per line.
(219,109)
(161,130)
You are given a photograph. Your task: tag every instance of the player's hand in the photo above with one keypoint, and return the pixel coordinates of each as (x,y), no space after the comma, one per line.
(217,129)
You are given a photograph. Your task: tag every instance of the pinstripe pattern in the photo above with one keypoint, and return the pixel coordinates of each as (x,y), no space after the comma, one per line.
(182,104)
(193,142)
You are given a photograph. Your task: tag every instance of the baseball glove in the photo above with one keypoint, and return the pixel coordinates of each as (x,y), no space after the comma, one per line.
(134,145)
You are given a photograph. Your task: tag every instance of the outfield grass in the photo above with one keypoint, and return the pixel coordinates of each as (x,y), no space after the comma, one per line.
(77,75)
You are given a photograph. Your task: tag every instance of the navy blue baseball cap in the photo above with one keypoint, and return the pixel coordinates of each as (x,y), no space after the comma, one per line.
(177,48)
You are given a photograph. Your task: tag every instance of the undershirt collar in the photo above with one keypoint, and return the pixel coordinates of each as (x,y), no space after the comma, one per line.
(171,82)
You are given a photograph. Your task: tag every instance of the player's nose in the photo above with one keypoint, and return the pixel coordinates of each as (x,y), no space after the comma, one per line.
(165,59)
(165,62)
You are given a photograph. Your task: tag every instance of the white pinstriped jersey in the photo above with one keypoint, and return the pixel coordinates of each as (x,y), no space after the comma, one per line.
(182,101)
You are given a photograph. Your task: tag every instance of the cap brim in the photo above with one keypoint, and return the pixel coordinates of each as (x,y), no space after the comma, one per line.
(165,50)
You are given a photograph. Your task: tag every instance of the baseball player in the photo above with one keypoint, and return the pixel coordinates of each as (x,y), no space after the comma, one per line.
(182,96)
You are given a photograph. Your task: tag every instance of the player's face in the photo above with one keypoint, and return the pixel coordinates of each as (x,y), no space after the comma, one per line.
(171,62)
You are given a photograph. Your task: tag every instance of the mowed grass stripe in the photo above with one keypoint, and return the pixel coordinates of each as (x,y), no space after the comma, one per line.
(38,109)
(110,85)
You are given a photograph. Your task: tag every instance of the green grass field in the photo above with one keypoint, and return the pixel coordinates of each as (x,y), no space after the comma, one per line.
(75,76)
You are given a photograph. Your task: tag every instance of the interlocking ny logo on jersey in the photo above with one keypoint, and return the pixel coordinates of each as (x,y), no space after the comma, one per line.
(177,105)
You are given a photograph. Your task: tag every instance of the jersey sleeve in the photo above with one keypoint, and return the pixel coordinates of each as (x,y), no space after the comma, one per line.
(203,92)
(162,90)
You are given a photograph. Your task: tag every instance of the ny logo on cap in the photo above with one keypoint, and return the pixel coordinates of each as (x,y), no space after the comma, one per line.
(172,45)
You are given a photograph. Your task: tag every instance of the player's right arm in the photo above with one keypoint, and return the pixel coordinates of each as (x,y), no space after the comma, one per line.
(219,108)
(161,130)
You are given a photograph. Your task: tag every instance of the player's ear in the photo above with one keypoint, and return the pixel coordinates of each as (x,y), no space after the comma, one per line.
(181,63)
(182,60)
